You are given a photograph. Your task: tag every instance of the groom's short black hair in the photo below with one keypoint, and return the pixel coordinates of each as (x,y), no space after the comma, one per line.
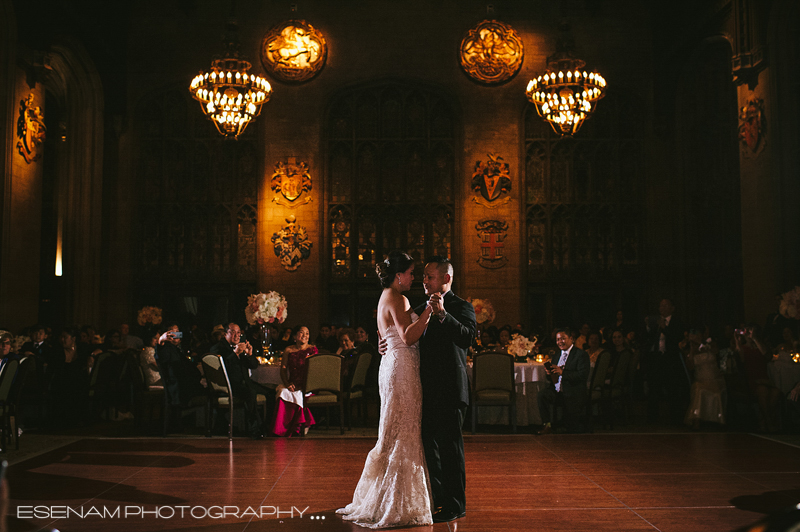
(443,263)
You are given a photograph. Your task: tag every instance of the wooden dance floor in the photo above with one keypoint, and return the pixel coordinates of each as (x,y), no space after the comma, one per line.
(668,482)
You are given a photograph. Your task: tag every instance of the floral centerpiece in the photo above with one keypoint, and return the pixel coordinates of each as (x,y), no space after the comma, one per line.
(149,316)
(265,308)
(520,346)
(790,304)
(484,311)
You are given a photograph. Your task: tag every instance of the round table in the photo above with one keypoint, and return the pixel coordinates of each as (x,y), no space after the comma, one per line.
(530,377)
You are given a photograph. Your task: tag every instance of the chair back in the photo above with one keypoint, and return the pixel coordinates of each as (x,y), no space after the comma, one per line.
(26,375)
(600,370)
(324,373)
(493,371)
(216,375)
(619,378)
(7,378)
(359,380)
(98,363)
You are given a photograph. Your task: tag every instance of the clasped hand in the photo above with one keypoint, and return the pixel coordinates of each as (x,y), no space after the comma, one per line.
(245,348)
(436,302)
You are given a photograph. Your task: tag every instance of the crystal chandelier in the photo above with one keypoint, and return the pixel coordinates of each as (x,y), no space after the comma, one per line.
(229,96)
(566,95)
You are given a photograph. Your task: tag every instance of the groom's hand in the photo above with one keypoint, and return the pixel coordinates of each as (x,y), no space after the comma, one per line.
(436,303)
(381,345)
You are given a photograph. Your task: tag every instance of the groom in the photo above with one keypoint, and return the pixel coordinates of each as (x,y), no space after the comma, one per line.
(445,388)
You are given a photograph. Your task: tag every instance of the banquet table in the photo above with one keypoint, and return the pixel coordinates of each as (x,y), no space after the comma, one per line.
(267,374)
(784,373)
(530,377)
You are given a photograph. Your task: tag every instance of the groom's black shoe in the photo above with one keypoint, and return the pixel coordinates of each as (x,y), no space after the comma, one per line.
(443,516)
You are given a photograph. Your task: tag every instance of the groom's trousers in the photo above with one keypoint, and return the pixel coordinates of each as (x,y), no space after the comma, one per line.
(444,454)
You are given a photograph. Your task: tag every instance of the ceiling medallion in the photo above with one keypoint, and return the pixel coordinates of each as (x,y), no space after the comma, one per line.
(293,51)
(491,52)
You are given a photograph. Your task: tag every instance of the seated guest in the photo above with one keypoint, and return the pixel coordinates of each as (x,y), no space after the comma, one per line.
(113,341)
(707,397)
(755,358)
(489,340)
(38,347)
(593,347)
(617,349)
(349,353)
(239,359)
(504,337)
(285,339)
(179,374)
(147,359)
(68,376)
(583,336)
(570,373)
(291,414)
(788,345)
(322,337)
(362,337)
(6,355)
(128,340)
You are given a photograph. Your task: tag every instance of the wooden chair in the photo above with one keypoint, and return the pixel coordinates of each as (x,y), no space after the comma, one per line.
(143,396)
(493,384)
(171,407)
(324,383)
(616,389)
(7,375)
(220,393)
(24,380)
(356,388)
(597,386)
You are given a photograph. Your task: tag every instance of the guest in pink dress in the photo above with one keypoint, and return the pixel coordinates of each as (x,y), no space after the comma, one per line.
(291,415)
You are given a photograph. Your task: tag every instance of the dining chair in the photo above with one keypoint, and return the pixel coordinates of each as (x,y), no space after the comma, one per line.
(145,398)
(24,380)
(356,388)
(616,390)
(173,406)
(220,393)
(597,387)
(493,384)
(7,376)
(324,384)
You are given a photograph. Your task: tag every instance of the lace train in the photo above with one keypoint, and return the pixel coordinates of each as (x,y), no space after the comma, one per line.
(394,489)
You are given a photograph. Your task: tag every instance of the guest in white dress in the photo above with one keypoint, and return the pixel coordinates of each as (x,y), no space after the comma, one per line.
(708,396)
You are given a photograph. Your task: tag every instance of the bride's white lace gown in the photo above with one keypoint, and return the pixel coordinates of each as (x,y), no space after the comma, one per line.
(394,489)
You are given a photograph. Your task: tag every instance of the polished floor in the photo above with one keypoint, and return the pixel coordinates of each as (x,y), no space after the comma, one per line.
(667,482)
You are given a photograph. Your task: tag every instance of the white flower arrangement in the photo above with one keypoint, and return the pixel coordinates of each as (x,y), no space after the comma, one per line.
(149,315)
(520,346)
(790,304)
(265,308)
(484,311)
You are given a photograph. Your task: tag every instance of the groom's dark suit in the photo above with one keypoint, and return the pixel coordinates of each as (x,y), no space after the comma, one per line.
(445,396)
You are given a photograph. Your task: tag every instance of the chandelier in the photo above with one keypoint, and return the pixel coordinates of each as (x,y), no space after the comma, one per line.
(230,96)
(566,95)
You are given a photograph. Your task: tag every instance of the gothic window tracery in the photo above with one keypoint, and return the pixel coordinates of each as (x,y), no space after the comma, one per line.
(391,176)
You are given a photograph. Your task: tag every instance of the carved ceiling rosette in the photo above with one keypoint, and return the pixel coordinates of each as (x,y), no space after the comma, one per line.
(293,51)
(491,52)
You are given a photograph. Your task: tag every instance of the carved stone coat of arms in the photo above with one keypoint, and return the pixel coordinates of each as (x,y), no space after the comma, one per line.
(491,182)
(30,130)
(291,244)
(290,181)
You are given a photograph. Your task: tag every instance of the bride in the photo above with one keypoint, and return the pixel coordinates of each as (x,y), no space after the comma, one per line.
(394,489)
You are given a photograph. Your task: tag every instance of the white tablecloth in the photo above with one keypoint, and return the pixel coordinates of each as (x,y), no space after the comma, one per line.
(530,378)
(784,373)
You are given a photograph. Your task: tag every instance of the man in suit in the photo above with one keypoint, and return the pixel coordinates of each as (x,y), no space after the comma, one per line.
(663,363)
(568,382)
(239,359)
(445,388)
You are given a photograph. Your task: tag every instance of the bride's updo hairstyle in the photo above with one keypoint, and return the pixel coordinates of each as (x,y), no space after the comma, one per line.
(398,262)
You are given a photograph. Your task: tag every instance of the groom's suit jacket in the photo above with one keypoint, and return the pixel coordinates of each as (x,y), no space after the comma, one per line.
(443,354)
